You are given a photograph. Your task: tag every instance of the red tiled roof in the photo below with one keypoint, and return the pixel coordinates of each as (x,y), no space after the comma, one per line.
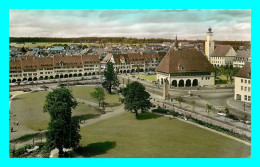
(243,54)
(221,51)
(191,60)
(245,71)
(90,59)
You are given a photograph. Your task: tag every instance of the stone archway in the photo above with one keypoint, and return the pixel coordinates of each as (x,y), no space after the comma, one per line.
(61,76)
(35,79)
(66,76)
(57,76)
(188,83)
(18,80)
(79,74)
(70,75)
(46,78)
(30,79)
(174,83)
(41,78)
(75,75)
(85,74)
(24,79)
(51,77)
(195,82)
(181,83)
(13,80)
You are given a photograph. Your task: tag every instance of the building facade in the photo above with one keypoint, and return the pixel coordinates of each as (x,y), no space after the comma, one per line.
(133,62)
(241,58)
(243,84)
(223,55)
(32,69)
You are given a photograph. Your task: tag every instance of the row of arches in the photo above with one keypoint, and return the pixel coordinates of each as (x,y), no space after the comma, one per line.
(53,77)
(182,83)
(135,70)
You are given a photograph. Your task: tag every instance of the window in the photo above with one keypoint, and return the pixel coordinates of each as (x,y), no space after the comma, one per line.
(202,78)
(249,81)
(245,88)
(249,98)
(248,89)
(245,98)
(241,80)
(245,81)
(241,87)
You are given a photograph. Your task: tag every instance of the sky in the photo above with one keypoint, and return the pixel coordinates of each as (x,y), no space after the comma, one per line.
(187,24)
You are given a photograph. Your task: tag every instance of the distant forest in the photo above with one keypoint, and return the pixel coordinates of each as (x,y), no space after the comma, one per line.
(123,40)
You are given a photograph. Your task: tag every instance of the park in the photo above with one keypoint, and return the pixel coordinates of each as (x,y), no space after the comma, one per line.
(121,135)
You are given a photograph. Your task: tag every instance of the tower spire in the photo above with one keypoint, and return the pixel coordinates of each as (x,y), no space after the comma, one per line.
(176,43)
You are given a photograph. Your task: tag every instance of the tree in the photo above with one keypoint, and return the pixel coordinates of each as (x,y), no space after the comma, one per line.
(98,95)
(193,102)
(63,131)
(232,72)
(208,108)
(180,100)
(23,49)
(226,110)
(136,98)
(110,77)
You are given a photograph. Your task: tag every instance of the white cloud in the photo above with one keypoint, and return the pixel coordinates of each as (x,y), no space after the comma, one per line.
(188,24)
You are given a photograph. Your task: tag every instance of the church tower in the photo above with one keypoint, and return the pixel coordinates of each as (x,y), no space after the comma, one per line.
(209,43)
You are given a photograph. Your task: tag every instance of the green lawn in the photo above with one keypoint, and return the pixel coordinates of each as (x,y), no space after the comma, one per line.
(28,109)
(147,77)
(125,136)
(223,80)
(84,93)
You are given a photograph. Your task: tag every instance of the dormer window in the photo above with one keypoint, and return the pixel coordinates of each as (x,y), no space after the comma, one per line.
(180,68)
(61,64)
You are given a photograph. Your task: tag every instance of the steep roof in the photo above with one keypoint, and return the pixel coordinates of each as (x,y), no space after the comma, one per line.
(190,60)
(245,71)
(221,51)
(243,54)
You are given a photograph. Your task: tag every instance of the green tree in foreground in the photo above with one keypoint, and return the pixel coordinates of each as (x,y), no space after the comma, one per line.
(110,77)
(180,100)
(98,95)
(193,102)
(63,132)
(208,108)
(135,97)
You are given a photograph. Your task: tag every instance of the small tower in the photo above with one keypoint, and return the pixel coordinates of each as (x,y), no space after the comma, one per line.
(209,43)
(175,44)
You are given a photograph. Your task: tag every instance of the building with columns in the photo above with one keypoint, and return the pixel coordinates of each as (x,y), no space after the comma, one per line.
(185,68)
(209,43)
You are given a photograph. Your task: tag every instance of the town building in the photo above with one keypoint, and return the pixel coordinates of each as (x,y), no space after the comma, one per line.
(31,68)
(243,84)
(133,62)
(185,68)
(241,58)
(223,55)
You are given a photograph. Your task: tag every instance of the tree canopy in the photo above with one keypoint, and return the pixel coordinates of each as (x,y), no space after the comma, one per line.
(110,77)
(98,95)
(135,97)
(63,132)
